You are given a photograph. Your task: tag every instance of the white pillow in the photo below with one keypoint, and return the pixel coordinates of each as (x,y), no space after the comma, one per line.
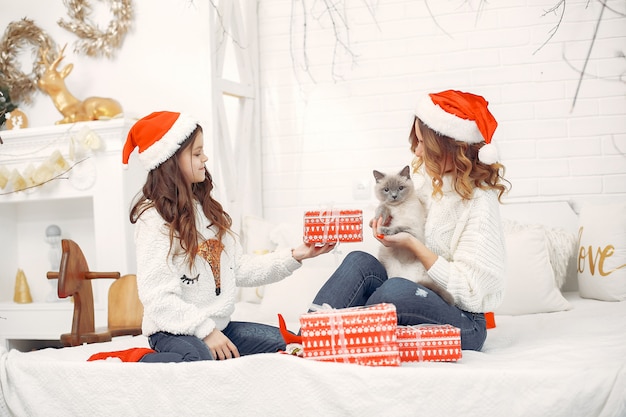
(530,282)
(255,235)
(287,235)
(562,246)
(602,252)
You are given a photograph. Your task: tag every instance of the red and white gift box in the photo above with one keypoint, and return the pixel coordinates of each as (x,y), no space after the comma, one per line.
(360,335)
(325,226)
(429,343)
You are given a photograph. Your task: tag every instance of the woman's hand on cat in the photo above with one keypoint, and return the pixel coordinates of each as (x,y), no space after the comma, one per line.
(376,224)
(405,240)
(382,220)
(402,239)
(309,250)
(399,239)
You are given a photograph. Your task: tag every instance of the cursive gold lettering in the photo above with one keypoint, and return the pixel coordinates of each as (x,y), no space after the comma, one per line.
(601,255)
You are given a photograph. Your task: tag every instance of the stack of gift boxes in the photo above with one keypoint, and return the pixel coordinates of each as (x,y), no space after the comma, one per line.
(370,336)
(366,335)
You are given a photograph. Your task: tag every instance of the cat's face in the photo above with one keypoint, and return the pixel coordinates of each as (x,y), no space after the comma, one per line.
(393,188)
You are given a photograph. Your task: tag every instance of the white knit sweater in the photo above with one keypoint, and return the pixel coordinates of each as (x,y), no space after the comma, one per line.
(174,300)
(468,237)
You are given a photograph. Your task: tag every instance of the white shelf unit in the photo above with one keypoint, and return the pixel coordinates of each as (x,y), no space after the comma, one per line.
(91,207)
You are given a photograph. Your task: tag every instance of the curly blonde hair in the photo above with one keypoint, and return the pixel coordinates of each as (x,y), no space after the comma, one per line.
(468,172)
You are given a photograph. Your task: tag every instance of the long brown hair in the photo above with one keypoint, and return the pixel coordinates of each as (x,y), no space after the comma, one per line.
(174,198)
(468,172)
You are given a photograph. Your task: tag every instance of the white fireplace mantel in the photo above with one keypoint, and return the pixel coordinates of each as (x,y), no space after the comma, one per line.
(90,204)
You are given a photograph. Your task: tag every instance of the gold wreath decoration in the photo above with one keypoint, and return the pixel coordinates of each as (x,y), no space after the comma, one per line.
(17,34)
(94,41)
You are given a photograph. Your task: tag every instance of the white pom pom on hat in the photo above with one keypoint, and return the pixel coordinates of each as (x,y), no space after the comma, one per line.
(158,136)
(488,154)
(461,116)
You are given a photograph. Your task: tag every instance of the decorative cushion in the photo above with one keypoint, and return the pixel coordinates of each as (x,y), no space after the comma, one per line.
(531,286)
(258,236)
(602,252)
(561,246)
(255,235)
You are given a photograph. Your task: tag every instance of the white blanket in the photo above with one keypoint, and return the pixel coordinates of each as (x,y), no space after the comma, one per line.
(571,363)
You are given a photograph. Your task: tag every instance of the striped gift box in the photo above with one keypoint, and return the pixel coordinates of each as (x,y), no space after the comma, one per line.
(361,335)
(429,343)
(333,226)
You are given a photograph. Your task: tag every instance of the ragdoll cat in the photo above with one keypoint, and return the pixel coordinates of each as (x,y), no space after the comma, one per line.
(402,211)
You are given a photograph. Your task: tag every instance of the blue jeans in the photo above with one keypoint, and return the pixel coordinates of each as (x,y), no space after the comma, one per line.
(362,280)
(250,338)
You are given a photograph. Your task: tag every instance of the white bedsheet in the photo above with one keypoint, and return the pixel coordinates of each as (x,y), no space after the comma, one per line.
(571,363)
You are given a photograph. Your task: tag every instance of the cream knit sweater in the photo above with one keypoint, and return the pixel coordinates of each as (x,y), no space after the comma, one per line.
(182,301)
(468,237)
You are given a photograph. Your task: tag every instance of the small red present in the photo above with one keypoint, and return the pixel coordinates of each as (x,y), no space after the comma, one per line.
(429,343)
(333,226)
(361,335)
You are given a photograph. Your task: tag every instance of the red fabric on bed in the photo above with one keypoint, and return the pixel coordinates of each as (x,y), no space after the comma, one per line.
(128,355)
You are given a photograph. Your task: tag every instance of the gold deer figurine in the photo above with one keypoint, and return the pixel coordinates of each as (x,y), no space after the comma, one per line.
(52,82)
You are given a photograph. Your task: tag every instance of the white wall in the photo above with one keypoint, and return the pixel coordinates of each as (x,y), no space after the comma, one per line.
(163,64)
(322,137)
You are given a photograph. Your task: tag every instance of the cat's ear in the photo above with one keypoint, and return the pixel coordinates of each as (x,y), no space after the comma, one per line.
(406,172)
(378,175)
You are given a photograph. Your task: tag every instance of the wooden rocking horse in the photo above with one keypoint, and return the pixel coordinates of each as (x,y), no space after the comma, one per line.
(125,311)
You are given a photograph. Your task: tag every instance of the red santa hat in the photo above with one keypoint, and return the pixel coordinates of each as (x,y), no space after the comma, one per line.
(460,116)
(158,136)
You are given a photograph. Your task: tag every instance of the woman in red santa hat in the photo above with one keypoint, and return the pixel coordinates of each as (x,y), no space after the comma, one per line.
(461,183)
(189,262)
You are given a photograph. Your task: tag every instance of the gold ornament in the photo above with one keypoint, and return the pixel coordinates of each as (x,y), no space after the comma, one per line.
(94,41)
(17,181)
(57,161)
(52,82)
(44,173)
(4,176)
(16,119)
(17,34)
(53,168)
(22,290)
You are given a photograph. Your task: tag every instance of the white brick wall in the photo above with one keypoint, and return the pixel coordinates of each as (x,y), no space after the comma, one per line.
(321,137)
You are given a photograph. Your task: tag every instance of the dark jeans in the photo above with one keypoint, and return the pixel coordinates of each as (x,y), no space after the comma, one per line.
(362,280)
(249,338)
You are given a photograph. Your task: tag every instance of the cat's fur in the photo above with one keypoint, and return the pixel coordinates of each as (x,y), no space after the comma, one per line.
(402,211)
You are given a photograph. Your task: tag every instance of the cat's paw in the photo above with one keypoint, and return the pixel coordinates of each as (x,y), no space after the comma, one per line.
(387,231)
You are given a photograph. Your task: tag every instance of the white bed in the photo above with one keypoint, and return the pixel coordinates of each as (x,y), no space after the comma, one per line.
(570,362)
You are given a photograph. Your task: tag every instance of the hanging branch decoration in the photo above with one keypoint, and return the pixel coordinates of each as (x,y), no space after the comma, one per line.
(555,28)
(17,35)
(224,32)
(93,41)
(582,71)
(305,58)
(432,16)
(324,12)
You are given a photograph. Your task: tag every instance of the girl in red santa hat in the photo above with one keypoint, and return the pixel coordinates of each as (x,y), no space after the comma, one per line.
(189,262)
(461,184)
